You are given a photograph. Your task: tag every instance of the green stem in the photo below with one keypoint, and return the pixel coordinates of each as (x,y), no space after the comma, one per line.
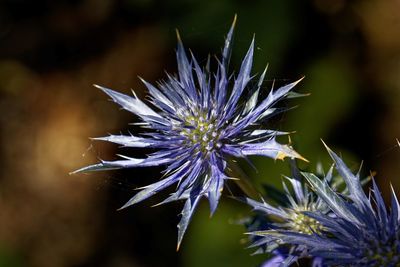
(243,181)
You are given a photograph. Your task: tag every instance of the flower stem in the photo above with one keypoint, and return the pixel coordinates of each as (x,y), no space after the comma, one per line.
(242,180)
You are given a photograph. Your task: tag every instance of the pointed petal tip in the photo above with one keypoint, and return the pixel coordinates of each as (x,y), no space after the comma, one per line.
(179,241)
(124,206)
(253,39)
(330,151)
(299,80)
(178,36)
(282,155)
(119,209)
(212,211)
(391,186)
(234,21)
(300,157)
(80,170)
(325,145)
(156,205)
(265,69)
(102,88)
(90,168)
(233,25)
(303,158)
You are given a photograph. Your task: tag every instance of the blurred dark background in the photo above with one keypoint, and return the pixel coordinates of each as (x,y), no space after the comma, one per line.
(51,52)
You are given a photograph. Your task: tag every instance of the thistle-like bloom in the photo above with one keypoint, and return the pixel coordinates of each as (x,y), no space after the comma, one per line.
(362,232)
(199,123)
(289,216)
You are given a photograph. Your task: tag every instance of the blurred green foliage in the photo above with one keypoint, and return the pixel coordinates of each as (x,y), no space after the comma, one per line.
(216,241)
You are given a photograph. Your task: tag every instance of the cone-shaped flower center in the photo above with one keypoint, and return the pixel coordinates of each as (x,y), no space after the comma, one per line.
(382,254)
(201,132)
(304,224)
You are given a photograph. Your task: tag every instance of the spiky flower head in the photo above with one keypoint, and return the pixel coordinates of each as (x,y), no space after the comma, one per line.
(199,123)
(289,215)
(362,232)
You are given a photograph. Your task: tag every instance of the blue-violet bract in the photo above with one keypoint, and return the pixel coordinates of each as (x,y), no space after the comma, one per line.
(362,231)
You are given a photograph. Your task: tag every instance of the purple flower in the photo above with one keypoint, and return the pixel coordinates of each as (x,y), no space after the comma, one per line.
(290,217)
(362,232)
(200,120)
